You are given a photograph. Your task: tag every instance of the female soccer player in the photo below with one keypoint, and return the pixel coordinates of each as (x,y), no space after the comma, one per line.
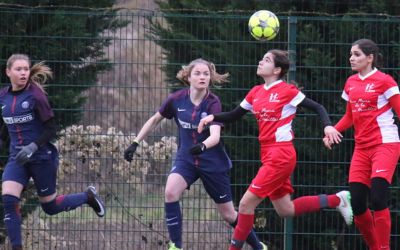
(29,121)
(371,95)
(274,104)
(200,155)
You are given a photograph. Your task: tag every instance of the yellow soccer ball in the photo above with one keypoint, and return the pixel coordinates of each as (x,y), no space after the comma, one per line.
(264,25)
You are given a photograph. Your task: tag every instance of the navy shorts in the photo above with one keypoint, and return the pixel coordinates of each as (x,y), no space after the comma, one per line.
(43,171)
(216,184)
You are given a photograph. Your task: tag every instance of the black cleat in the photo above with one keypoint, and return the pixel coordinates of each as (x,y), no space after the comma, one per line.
(95,202)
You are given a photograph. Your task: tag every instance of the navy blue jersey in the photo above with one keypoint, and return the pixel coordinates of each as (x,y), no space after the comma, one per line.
(187,117)
(24,113)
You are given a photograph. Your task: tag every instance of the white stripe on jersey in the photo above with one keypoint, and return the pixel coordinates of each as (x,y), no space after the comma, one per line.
(290,109)
(345,96)
(388,130)
(246,105)
(284,133)
(297,99)
(391,92)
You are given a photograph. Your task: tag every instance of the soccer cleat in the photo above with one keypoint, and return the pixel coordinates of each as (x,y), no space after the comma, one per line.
(264,247)
(95,202)
(171,246)
(345,206)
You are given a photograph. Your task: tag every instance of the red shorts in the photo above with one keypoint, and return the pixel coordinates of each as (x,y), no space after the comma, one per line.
(273,177)
(375,161)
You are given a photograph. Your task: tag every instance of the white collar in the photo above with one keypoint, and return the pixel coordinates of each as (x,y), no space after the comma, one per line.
(367,75)
(266,87)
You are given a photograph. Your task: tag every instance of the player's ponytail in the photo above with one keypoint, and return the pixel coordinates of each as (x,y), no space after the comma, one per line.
(40,73)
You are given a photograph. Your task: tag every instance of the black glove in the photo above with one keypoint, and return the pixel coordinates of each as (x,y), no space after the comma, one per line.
(26,152)
(128,154)
(198,149)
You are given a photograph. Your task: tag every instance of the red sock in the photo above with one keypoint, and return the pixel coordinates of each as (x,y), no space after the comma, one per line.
(382,228)
(333,201)
(242,230)
(309,204)
(365,224)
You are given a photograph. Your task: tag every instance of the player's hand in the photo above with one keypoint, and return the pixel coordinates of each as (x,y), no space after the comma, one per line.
(26,152)
(332,134)
(128,154)
(327,143)
(198,149)
(203,122)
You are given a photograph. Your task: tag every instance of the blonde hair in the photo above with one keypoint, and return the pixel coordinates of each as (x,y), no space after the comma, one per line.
(215,77)
(39,72)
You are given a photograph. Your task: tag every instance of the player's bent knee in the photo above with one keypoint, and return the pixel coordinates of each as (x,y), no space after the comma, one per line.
(171,196)
(359,197)
(284,213)
(50,208)
(246,208)
(379,194)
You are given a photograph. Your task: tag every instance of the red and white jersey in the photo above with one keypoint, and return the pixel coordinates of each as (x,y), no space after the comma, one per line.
(372,114)
(274,107)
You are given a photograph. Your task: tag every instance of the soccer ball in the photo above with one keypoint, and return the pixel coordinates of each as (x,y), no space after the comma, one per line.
(263,25)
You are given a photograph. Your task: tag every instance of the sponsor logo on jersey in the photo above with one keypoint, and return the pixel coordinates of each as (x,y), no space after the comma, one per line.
(187,125)
(18,119)
(370,88)
(274,97)
(25,104)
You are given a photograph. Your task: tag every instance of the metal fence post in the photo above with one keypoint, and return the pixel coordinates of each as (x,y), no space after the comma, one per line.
(292,22)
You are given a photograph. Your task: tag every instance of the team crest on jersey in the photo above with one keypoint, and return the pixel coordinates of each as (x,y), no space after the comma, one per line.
(25,104)
(274,97)
(203,114)
(370,88)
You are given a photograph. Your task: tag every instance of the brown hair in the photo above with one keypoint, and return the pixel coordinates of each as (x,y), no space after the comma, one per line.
(215,77)
(281,60)
(39,72)
(369,47)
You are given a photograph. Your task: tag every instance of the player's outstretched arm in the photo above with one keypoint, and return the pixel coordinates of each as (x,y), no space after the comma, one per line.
(229,116)
(211,141)
(150,124)
(330,132)
(204,122)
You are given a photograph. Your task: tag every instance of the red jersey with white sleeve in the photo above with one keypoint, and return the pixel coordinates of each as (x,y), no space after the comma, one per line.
(372,114)
(274,107)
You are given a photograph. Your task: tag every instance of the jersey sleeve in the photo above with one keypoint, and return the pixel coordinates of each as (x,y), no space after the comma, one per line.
(247,102)
(167,109)
(298,98)
(43,108)
(215,107)
(345,93)
(390,87)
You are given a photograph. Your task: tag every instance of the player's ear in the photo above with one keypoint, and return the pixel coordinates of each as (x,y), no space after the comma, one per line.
(277,70)
(370,58)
